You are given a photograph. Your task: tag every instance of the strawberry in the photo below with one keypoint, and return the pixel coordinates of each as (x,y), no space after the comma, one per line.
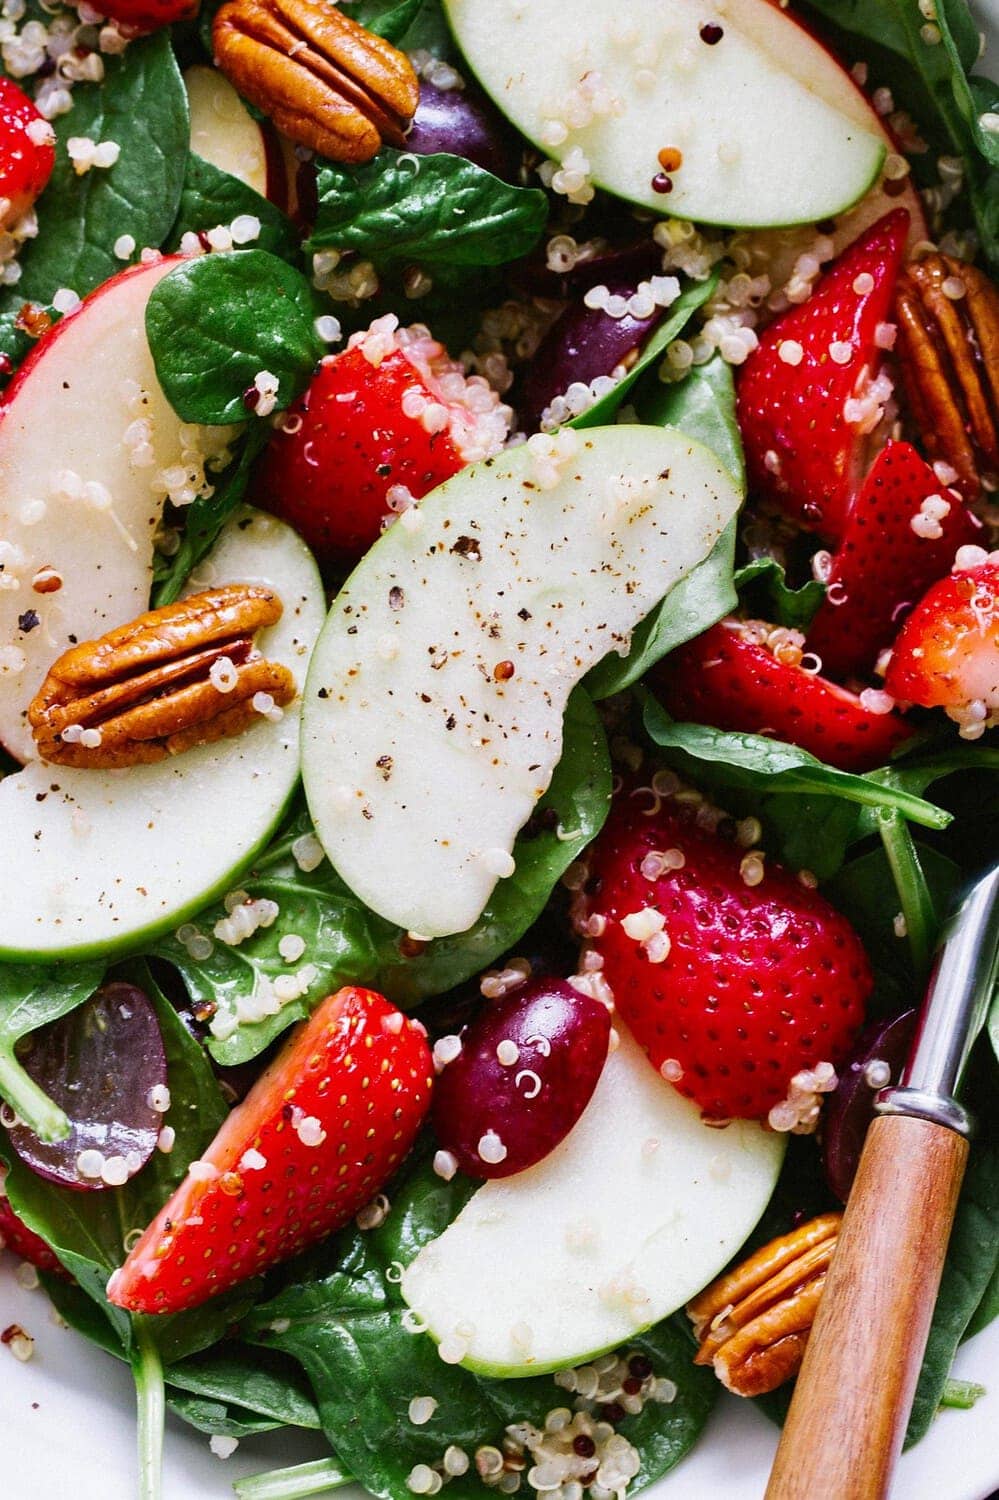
(744,675)
(27,153)
(313,1141)
(733,976)
(20,1240)
(149,15)
(902,533)
(381,424)
(947,652)
(803,442)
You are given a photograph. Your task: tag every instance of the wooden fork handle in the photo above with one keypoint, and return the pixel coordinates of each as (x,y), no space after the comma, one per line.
(851,1403)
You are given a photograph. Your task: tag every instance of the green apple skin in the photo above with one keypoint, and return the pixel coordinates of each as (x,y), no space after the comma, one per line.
(755,114)
(87,871)
(543,1251)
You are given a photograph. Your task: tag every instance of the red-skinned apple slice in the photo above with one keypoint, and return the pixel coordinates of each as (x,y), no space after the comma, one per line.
(85,432)
(224,133)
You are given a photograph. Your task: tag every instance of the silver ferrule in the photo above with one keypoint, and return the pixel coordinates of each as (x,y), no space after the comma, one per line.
(940,1109)
(960,990)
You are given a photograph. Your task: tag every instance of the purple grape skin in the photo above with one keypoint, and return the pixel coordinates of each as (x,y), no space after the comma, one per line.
(625,264)
(476,1093)
(582,344)
(851,1105)
(99,1064)
(462,122)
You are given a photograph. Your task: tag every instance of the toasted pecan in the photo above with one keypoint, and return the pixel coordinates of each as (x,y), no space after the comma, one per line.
(325,81)
(948,347)
(752,1324)
(172,678)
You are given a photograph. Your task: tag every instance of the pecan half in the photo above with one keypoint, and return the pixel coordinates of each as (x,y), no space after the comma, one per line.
(171,679)
(326,82)
(753,1323)
(948,346)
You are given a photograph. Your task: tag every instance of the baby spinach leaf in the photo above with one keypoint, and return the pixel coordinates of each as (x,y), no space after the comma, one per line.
(252,1385)
(764,579)
(400,209)
(258,1381)
(218,1418)
(344,1324)
(429,31)
(702,405)
(988,1309)
(388,18)
(348,943)
(751,760)
(205,518)
(217,322)
(677,318)
(211,197)
(32,995)
(142,105)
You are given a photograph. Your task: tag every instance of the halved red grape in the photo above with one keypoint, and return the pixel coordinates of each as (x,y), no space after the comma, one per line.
(584,343)
(462,122)
(623,263)
(876,1061)
(104,1064)
(526,1069)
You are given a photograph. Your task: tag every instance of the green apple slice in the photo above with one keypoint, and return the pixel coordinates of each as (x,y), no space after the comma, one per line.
(98,861)
(639,1207)
(223,131)
(433,714)
(746,96)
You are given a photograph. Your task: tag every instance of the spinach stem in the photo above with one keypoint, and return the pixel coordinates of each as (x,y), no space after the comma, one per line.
(961,1394)
(913,892)
(317,1478)
(147,1369)
(30,1103)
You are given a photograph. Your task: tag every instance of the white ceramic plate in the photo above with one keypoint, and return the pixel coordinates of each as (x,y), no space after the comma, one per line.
(67,1427)
(67,1423)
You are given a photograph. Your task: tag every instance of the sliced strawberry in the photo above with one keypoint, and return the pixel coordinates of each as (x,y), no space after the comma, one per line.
(733,976)
(947,652)
(903,531)
(314,1140)
(731,678)
(27,153)
(381,424)
(149,15)
(803,444)
(16,1237)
